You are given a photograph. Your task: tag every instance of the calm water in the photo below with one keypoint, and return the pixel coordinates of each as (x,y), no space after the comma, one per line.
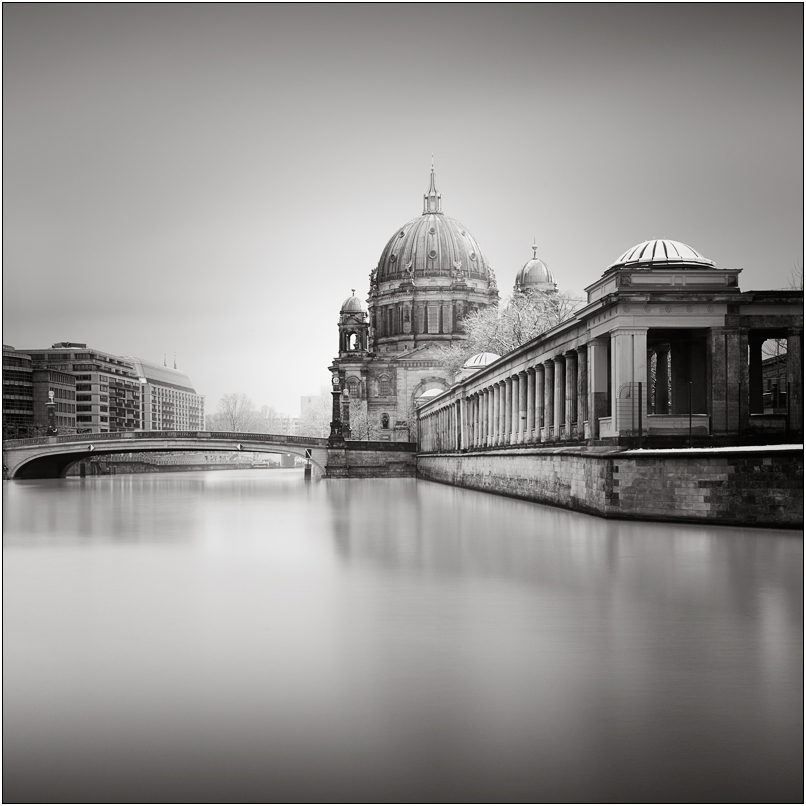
(238,635)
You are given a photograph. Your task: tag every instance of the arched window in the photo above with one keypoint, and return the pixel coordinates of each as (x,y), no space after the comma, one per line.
(384,420)
(352,341)
(354,387)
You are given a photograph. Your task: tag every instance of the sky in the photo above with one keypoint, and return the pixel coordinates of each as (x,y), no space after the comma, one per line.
(211,181)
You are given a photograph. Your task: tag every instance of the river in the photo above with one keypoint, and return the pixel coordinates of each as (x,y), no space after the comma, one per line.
(243,636)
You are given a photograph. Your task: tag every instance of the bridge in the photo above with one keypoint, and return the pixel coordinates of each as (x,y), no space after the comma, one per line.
(51,457)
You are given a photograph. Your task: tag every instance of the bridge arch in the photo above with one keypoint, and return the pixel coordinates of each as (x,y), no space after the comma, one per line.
(52,457)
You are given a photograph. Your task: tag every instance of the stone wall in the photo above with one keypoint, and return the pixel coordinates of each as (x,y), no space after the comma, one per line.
(757,488)
(371,460)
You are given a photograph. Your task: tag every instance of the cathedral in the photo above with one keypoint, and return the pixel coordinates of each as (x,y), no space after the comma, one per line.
(431,273)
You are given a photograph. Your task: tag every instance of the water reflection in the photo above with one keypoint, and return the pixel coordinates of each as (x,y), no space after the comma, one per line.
(243,636)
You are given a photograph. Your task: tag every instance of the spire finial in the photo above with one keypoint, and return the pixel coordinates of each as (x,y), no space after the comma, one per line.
(174,360)
(534,249)
(432,201)
(352,291)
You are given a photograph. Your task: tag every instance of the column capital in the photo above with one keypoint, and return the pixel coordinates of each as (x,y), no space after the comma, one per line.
(629,331)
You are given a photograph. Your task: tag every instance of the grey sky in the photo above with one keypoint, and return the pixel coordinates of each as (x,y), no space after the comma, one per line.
(212,180)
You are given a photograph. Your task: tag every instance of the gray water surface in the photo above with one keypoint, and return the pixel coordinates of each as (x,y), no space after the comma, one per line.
(242,636)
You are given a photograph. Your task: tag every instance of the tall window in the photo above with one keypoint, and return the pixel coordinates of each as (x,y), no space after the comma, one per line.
(384,386)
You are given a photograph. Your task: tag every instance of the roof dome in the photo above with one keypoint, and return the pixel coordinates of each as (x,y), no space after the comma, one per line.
(432,245)
(660,253)
(535,276)
(352,304)
(480,360)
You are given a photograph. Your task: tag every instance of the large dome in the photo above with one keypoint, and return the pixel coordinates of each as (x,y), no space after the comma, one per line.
(660,253)
(432,245)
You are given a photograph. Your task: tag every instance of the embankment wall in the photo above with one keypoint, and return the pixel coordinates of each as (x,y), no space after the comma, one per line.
(741,487)
(359,459)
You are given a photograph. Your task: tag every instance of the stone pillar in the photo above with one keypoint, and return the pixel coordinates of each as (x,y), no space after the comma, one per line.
(502,414)
(628,358)
(540,394)
(794,379)
(496,413)
(530,405)
(548,400)
(522,395)
(570,392)
(582,390)
(507,436)
(598,383)
(559,396)
(475,412)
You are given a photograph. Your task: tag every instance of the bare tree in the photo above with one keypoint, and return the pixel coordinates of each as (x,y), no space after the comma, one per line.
(361,426)
(236,412)
(501,330)
(315,420)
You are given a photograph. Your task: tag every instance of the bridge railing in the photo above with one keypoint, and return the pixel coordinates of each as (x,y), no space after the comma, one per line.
(286,439)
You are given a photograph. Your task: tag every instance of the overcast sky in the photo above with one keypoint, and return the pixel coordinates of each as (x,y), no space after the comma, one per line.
(212,180)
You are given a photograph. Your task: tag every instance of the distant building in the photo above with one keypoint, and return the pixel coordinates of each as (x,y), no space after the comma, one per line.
(307,402)
(18,393)
(107,389)
(97,392)
(170,402)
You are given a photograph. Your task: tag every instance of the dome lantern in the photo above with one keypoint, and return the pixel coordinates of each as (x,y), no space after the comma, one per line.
(432,201)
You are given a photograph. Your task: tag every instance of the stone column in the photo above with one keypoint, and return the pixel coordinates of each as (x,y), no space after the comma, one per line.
(559,396)
(502,413)
(507,411)
(628,359)
(570,392)
(598,383)
(514,383)
(522,395)
(476,423)
(540,406)
(582,389)
(530,405)
(548,400)
(794,379)
(496,413)
(662,379)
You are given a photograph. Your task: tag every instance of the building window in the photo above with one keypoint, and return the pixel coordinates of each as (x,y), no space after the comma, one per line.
(384,387)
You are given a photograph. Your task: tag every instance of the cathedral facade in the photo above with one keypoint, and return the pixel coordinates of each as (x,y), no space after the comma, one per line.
(431,273)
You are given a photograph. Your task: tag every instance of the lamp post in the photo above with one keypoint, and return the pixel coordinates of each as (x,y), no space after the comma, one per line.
(335,424)
(51,410)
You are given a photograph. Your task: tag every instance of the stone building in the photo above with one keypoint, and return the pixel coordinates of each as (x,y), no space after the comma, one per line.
(430,274)
(667,347)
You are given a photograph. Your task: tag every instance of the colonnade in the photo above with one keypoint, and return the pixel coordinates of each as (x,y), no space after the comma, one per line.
(545,402)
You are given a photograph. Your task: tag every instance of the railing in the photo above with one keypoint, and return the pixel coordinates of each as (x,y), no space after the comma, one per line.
(283,439)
